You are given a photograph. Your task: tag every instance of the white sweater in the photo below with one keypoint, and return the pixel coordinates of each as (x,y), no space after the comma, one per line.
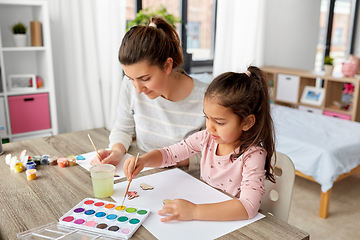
(159,122)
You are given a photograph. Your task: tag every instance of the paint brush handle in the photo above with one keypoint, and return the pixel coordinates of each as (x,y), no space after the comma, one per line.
(137,157)
(95,148)
(127,188)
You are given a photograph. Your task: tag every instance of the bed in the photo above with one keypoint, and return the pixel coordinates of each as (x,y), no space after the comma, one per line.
(324,149)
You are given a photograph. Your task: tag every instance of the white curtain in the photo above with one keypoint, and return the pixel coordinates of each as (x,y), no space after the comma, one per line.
(86,35)
(239,35)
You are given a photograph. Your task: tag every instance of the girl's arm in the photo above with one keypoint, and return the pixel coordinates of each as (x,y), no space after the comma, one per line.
(183,210)
(171,155)
(150,159)
(182,150)
(247,206)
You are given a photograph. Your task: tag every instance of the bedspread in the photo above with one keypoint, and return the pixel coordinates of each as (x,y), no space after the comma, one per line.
(320,146)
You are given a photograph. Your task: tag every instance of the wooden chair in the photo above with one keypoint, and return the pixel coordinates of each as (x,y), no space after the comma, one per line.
(277,197)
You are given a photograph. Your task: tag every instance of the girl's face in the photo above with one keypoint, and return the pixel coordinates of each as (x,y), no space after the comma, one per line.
(224,126)
(150,80)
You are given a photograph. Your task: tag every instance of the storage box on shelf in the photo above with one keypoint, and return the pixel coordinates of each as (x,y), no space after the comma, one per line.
(289,85)
(287,88)
(29,111)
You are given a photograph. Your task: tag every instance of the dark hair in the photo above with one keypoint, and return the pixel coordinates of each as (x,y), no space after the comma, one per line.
(153,44)
(245,96)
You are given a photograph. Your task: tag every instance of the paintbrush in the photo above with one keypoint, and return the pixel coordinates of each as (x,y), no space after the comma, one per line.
(95,148)
(127,188)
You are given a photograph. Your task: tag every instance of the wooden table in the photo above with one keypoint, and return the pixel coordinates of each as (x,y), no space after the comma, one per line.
(28,204)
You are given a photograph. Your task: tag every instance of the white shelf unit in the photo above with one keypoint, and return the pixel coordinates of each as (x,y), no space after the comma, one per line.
(25,60)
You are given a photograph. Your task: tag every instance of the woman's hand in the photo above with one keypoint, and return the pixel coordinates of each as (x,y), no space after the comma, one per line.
(108,156)
(129,170)
(178,209)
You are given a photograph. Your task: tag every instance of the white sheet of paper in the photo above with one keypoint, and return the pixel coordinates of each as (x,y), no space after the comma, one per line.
(172,184)
(91,155)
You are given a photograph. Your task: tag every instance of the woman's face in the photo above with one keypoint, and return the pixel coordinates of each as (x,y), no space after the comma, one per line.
(150,80)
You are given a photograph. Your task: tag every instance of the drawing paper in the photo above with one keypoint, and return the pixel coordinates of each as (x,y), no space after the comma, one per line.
(172,184)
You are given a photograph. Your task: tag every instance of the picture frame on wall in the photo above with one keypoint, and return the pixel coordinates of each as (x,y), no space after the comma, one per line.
(313,95)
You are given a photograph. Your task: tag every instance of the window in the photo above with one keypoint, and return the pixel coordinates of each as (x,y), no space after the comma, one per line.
(172,7)
(200,29)
(193,38)
(337,31)
(130,10)
(199,16)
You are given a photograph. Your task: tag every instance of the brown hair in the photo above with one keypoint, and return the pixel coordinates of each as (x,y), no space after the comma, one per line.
(153,44)
(245,96)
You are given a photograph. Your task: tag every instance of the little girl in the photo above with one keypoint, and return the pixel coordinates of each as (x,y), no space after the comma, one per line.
(236,148)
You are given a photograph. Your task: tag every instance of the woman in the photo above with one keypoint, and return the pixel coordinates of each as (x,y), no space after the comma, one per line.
(159,103)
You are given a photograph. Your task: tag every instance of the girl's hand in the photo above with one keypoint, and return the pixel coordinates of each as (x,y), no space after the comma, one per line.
(178,209)
(128,167)
(108,156)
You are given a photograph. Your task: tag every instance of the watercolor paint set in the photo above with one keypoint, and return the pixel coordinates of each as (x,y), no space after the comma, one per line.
(95,219)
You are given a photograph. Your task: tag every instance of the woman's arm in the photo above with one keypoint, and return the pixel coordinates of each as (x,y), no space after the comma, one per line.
(112,156)
(183,210)
(122,132)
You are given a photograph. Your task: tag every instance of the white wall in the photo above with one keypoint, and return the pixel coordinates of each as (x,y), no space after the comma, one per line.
(292,32)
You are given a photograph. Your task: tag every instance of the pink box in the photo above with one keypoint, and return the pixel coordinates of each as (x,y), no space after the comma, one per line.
(338,115)
(29,113)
